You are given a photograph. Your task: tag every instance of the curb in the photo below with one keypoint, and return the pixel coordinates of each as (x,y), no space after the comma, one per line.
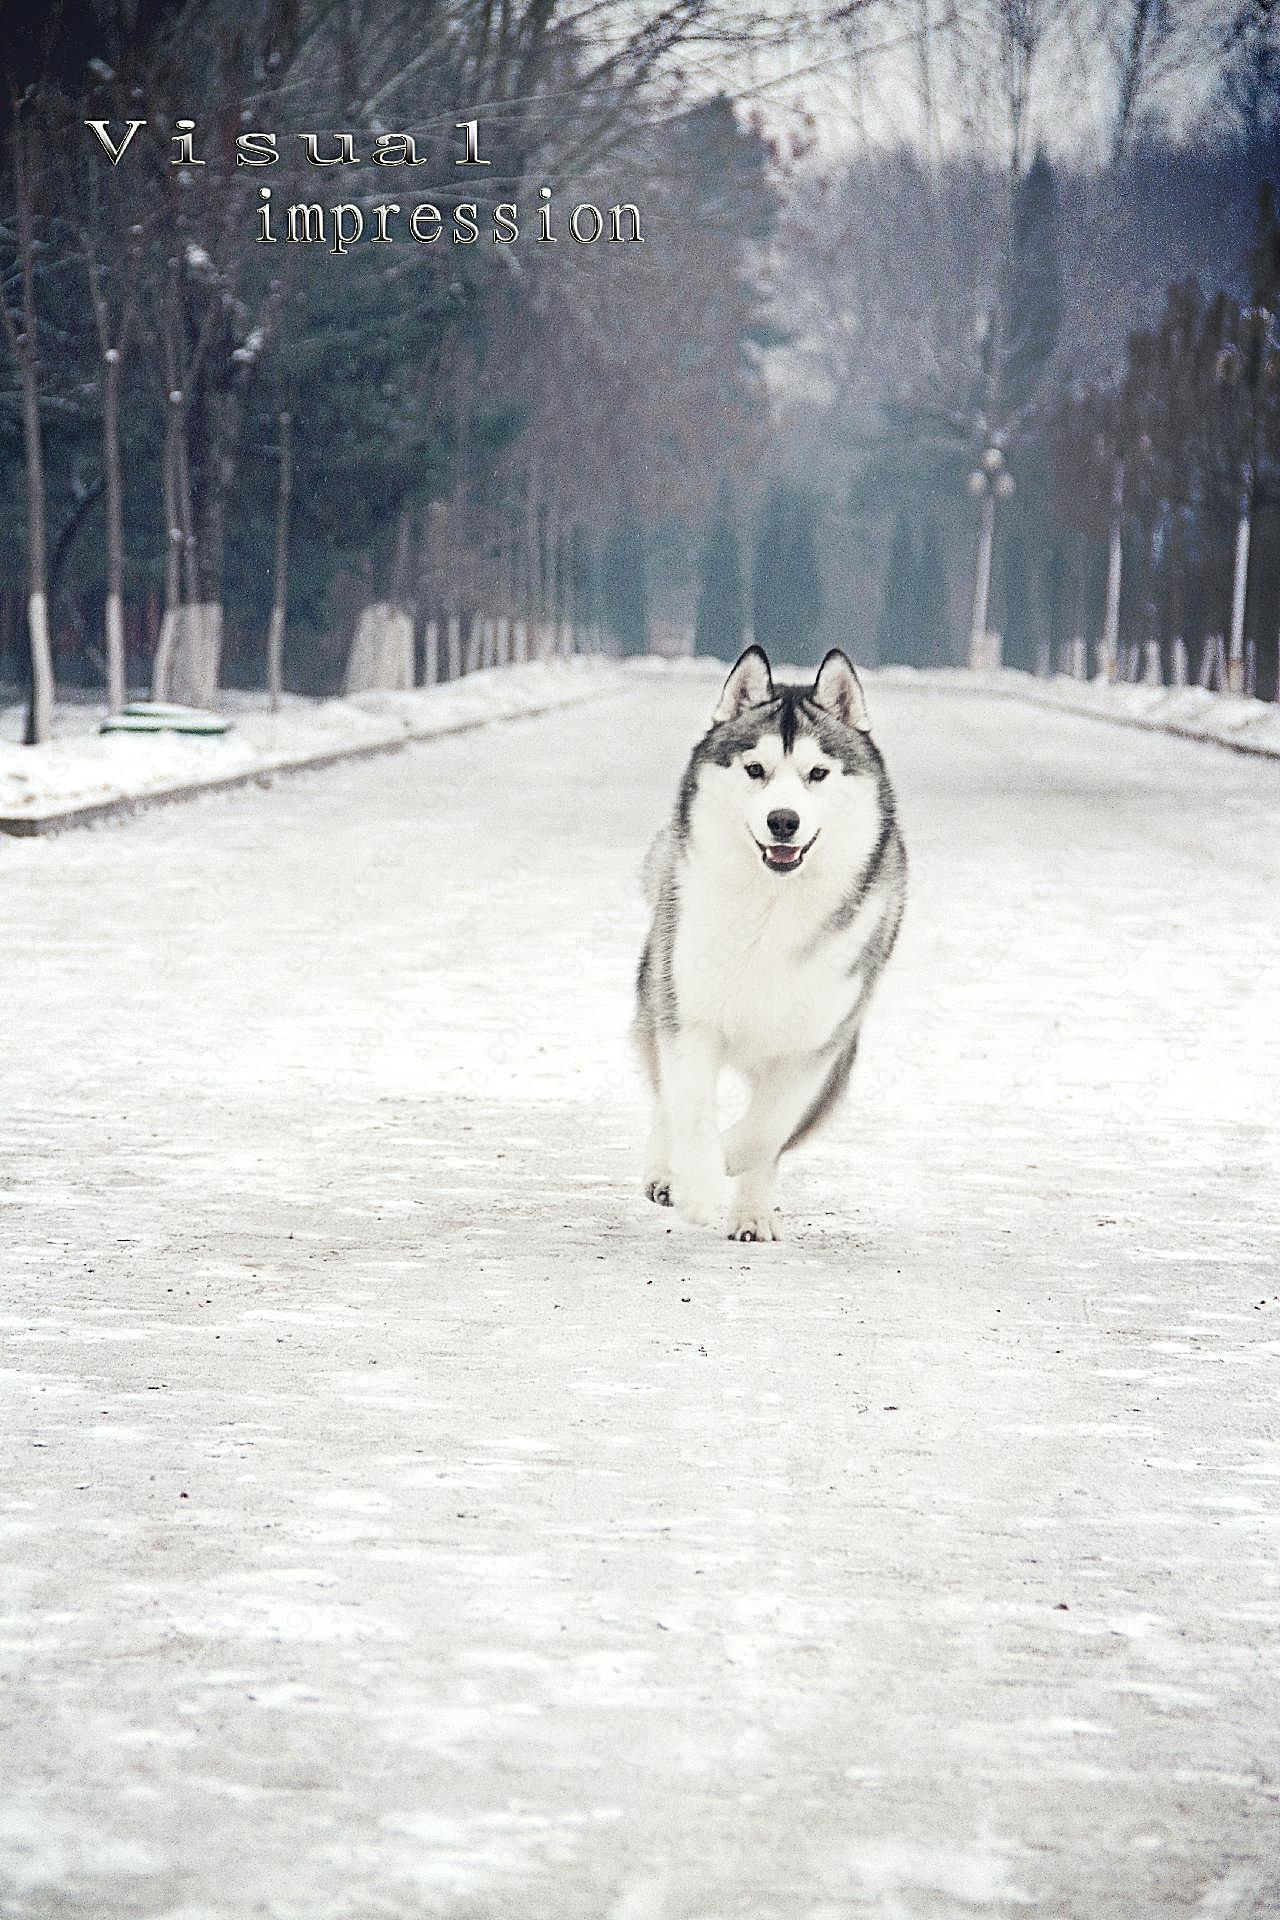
(35,826)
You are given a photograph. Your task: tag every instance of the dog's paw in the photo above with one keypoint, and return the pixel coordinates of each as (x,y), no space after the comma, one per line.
(659,1191)
(755,1224)
(700,1202)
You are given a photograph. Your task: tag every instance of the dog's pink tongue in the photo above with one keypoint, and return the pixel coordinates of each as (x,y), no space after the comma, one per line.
(784,855)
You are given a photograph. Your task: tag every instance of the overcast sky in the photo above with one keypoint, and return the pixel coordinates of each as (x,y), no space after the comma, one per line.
(865,81)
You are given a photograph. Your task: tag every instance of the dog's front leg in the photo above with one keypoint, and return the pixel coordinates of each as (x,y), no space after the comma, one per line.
(690,1065)
(781,1097)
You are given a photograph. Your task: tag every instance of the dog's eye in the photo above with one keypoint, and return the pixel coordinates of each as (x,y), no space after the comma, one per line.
(818,773)
(754,770)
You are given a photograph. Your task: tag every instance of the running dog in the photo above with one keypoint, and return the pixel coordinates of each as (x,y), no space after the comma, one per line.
(777,890)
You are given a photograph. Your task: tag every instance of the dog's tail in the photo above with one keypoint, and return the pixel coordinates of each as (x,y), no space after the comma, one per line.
(657,863)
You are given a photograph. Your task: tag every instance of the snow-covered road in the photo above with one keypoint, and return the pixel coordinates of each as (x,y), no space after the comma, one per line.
(401,1518)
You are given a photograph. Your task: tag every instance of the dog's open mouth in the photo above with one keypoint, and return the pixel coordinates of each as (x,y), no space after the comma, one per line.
(783,856)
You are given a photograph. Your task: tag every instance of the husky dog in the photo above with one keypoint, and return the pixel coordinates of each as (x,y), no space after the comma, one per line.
(776,891)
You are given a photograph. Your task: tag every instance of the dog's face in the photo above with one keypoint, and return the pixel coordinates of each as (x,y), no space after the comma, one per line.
(787,776)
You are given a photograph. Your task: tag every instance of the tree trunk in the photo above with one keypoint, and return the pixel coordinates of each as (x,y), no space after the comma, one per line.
(978,649)
(162,665)
(279,600)
(1239,586)
(23,347)
(117,680)
(381,656)
(197,654)
(1109,650)
(402,565)
(40,714)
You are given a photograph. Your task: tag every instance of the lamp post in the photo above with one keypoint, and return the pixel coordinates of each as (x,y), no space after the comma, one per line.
(989,482)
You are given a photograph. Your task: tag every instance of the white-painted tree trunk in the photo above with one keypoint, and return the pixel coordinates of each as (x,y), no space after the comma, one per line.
(1239,591)
(431,654)
(1109,646)
(197,654)
(275,656)
(1179,651)
(455,647)
(381,656)
(1213,663)
(117,689)
(162,665)
(1152,665)
(280,592)
(41,666)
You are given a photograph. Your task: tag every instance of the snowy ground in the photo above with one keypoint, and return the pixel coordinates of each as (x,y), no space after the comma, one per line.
(401,1518)
(81,767)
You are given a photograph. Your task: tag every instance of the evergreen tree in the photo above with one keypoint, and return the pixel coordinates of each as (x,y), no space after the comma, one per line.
(932,610)
(1033,296)
(786,592)
(722,615)
(626,586)
(896,627)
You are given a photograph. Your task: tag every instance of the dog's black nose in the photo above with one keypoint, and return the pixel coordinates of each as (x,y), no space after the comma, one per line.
(783,824)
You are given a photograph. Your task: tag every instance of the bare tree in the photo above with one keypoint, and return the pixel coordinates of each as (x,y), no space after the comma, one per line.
(20,332)
(280,576)
(114,321)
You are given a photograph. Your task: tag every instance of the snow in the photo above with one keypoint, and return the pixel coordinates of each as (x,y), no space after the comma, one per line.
(81,767)
(402,1517)
(1194,713)
(250,347)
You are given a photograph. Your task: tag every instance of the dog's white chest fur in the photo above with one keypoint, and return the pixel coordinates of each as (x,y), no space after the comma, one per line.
(750,964)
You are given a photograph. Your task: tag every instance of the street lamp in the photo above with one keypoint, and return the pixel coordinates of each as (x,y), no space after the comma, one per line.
(990,481)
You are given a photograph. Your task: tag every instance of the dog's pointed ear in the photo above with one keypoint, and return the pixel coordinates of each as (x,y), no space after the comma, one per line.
(750,684)
(838,691)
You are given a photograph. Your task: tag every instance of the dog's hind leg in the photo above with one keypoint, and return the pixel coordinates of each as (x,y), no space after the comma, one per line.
(657,1158)
(657,1162)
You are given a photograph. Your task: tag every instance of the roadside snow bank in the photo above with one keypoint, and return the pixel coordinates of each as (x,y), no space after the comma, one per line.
(81,768)
(1250,726)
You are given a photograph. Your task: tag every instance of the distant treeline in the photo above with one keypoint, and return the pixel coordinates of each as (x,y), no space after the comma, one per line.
(903,399)
(207,437)
(1085,363)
